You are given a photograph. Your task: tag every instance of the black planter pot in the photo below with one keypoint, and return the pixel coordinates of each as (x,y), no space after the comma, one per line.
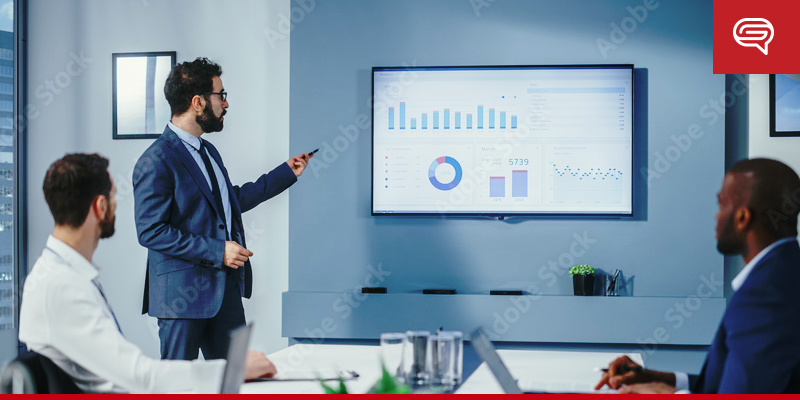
(583,285)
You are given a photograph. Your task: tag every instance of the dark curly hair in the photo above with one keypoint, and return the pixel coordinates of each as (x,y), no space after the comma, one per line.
(71,185)
(187,80)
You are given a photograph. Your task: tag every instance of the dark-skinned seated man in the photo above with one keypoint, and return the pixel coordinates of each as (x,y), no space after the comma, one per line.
(757,346)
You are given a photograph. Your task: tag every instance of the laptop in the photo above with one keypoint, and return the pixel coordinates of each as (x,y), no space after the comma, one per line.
(233,376)
(487,353)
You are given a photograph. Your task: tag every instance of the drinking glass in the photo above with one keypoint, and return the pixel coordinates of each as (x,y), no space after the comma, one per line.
(416,359)
(392,347)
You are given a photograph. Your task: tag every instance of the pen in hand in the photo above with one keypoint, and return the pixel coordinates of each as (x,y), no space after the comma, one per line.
(622,369)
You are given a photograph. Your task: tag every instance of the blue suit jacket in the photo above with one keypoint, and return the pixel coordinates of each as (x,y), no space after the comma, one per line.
(757,346)
(177,220)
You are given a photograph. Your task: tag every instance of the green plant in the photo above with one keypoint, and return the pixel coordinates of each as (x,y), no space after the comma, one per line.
(329,390)
(581,270)
(386,385)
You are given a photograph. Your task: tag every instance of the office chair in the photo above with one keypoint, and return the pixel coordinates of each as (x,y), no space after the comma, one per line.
(36,374)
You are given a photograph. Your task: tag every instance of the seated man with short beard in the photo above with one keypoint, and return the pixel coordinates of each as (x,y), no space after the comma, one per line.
(757,346)
(65,315)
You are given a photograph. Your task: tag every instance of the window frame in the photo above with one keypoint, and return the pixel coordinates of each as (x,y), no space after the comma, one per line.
(20,245)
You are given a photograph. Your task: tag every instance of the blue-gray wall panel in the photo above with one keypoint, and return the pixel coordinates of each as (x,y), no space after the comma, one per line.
(667,252)
(508,318)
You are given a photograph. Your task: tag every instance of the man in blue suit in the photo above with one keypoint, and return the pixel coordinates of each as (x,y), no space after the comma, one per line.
(757,346)
(189,216)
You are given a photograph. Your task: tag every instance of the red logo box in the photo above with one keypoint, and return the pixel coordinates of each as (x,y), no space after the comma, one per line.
(756,36)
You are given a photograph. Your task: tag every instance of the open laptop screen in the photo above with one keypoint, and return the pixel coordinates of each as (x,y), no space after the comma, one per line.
(237,354)
(486,351)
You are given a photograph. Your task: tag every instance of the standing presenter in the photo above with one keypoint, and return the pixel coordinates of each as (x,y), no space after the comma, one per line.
(189,216)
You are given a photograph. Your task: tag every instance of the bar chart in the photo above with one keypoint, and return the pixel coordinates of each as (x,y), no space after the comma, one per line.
(508,176)
(448,118)
(519,184)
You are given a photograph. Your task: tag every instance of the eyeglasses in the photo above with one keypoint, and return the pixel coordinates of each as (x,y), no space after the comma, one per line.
(222,95)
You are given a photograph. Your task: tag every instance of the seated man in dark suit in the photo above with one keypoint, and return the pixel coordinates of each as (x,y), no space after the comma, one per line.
(757,346)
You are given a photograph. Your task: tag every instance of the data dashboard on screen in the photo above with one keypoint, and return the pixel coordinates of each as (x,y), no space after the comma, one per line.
(522,140)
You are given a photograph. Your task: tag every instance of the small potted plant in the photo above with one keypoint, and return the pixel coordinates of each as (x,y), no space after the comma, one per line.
(582,280)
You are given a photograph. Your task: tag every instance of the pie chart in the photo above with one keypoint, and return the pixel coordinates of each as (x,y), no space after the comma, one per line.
(449,173)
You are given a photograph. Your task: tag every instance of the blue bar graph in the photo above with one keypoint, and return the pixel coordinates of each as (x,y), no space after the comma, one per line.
(497,186)
(413,123)
(519,183)
(402,115)
(450,119)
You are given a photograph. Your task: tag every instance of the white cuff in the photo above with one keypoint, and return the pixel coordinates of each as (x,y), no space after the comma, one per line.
(681,381)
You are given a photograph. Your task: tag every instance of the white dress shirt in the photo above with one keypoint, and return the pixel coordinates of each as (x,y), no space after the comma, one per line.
(192,144)
(681,378)
(65,317)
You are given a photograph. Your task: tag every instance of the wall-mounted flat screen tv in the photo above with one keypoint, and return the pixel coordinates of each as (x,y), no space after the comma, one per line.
(503,140)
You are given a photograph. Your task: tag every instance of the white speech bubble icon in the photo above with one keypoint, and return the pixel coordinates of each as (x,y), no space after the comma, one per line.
(754,32)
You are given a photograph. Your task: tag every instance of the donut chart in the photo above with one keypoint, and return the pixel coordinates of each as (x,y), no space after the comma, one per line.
(445,185)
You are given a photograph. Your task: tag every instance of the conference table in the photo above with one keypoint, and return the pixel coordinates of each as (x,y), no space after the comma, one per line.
(554,370)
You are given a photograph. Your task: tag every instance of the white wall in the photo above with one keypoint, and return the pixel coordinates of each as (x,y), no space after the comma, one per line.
(76,117)
(760,144)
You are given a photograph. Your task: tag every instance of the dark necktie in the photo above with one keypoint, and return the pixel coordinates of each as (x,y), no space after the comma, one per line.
(214,183)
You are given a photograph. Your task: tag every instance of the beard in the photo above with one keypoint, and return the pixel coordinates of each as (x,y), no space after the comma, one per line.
(107,225)
(208,121)
(727,243)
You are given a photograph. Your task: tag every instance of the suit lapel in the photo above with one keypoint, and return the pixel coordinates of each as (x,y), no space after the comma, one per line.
(176,144)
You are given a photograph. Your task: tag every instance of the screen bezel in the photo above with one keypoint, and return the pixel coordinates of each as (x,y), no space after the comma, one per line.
(772,116)
(501,215)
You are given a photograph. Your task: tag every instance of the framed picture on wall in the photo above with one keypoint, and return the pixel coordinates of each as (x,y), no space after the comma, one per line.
(140,110)
(784,105)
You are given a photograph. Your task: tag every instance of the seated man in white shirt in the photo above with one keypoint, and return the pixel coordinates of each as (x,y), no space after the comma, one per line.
(65,315)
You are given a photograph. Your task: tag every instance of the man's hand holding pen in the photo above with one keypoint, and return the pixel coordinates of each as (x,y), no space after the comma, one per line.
(624,371)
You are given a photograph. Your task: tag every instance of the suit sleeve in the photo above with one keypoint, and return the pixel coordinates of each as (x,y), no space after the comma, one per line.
(153,190)
(266,187)
(762,343)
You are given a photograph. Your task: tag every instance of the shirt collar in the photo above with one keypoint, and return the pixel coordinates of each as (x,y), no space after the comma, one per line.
(74,259)
(187,137)
(738,281)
